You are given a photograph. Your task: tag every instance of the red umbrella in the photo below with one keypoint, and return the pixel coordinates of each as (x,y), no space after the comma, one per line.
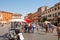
(28,20)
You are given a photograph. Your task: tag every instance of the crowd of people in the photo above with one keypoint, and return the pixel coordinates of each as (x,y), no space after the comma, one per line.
(31,27)
(26,27)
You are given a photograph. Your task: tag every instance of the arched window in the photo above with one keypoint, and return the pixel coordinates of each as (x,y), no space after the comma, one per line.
(55,8)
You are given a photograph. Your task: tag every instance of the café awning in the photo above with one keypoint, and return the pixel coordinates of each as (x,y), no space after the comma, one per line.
(17,20)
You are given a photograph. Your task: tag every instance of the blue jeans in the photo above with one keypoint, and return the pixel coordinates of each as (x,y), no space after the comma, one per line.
(28,29)
(33,29)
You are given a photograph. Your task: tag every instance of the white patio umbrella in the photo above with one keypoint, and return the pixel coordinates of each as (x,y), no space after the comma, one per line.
(46,22)
(17,20)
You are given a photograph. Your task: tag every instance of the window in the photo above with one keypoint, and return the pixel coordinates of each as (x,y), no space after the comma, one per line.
(58,7)
(50,10)
(46,11)
(58,13)
(50,15)
(53,15)
(55,8)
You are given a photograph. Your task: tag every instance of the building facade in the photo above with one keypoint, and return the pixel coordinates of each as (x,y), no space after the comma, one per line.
(40,12)
(16,16)
(6,16)
(30,16)
(46,12)
(36,16)
(52,12)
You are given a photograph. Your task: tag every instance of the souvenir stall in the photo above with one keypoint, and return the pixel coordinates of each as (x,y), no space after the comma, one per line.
(14,30)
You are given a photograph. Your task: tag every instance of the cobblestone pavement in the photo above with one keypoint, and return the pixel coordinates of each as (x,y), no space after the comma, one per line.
(41,35)
(4,31)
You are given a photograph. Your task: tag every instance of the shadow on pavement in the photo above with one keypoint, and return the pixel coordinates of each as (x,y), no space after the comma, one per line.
(41,33)
(55,35)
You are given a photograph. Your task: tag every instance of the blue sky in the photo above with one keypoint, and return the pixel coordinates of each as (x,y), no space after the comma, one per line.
(24,6)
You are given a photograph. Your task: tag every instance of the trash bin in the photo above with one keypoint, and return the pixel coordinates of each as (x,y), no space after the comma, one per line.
(58,31)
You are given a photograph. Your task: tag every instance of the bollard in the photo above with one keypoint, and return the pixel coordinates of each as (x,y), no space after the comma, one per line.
(58,31)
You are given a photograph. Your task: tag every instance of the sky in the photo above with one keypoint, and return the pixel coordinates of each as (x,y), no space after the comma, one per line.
(25,6)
